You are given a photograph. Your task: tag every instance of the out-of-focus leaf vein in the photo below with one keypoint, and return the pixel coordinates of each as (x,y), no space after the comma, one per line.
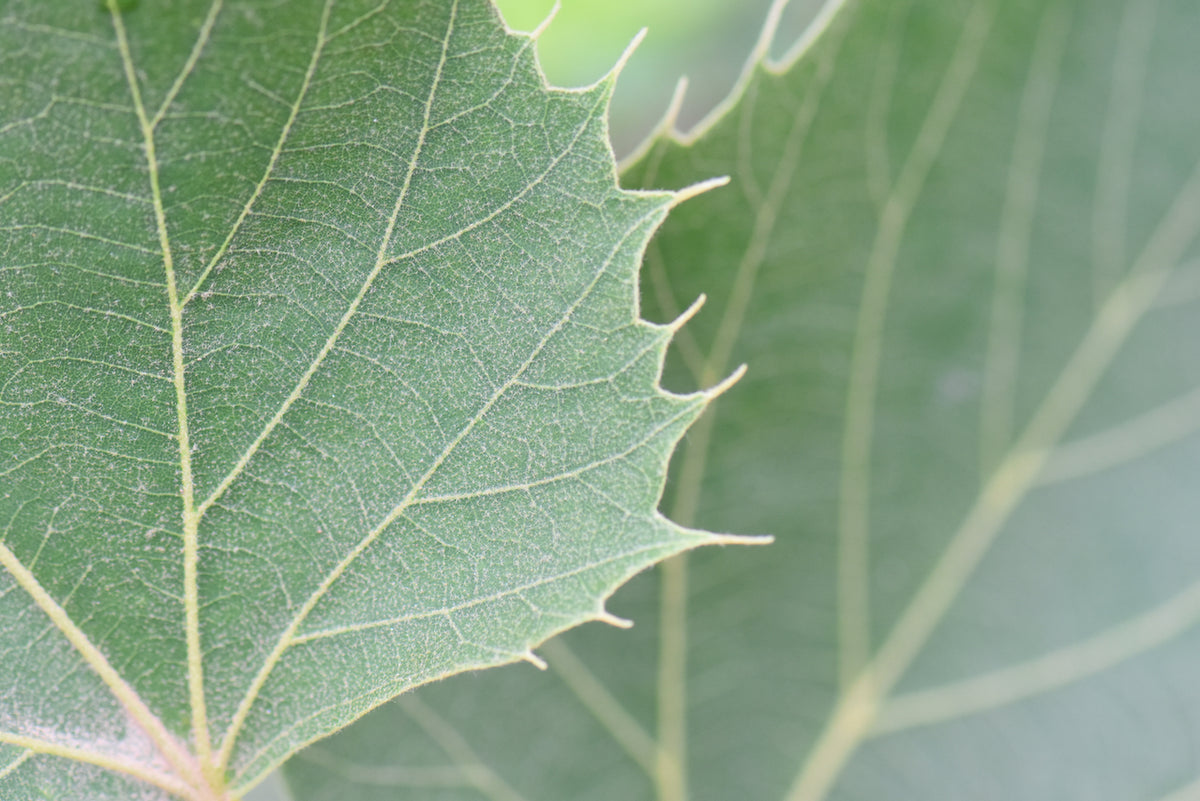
(1015,475)
(1126,441)
(854,494)
(1063,666)
(1002,361)
(426,776)
(1118,143)
(875,128)
(1185,793)
(451,741)
(625,730)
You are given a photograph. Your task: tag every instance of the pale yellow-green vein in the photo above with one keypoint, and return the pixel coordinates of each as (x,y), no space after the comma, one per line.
(424,776)
(190,537)
(1188,792)
(1127,441)
(189,66)
(1043,674)
(604,706)
(1017,219)
(230,737)
(854,494)
(450,740)
(15,765)
(876,149)
(276,151)
(37,746)
(125,694)
(1118,142)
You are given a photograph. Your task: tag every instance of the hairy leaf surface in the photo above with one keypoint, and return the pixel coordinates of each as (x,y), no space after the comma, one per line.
(959,255)
(321,377)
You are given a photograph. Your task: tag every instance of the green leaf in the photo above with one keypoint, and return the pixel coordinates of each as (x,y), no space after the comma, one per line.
(959,255)
(321,377)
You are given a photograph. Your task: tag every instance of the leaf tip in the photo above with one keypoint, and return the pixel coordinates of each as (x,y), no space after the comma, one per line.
(698,538)
(770,28)
(536,33)
(535,660)
(665,129)
(673,107)
(689,192)
(714,392)
(626,55)
(741,539)
(688,313)
(608,617)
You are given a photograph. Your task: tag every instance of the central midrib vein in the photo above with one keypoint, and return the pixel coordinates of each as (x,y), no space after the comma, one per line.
(187,487)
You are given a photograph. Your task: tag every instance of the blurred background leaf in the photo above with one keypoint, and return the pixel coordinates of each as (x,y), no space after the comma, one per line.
(706,40)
